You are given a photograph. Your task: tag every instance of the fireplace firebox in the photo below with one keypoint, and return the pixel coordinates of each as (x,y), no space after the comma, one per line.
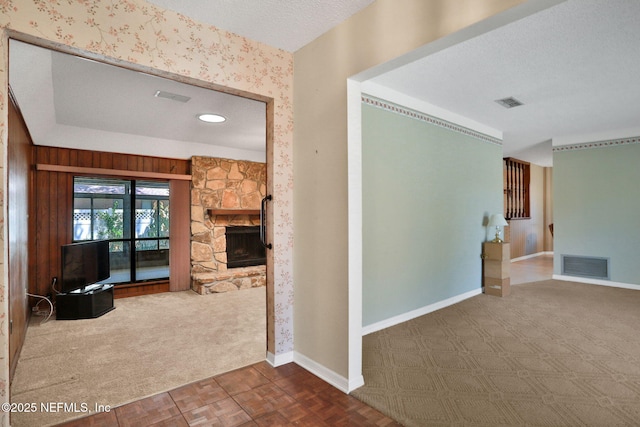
(244,247)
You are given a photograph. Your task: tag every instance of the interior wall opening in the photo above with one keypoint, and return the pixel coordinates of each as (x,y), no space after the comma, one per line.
(95,140)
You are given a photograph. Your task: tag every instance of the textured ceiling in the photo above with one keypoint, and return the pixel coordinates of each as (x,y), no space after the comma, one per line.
(574,66)
(285,24)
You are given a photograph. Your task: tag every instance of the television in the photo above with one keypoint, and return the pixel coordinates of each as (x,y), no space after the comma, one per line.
(84,264)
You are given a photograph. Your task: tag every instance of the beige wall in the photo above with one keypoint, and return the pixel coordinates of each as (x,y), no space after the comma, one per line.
(381,32)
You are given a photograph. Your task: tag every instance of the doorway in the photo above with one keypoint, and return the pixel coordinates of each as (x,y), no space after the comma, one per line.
(96,139)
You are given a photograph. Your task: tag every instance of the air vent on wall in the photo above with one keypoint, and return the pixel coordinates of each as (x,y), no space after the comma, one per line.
(173,96)
(509,102)
(592,267)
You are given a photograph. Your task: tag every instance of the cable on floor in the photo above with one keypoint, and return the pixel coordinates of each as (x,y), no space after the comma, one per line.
(38,312)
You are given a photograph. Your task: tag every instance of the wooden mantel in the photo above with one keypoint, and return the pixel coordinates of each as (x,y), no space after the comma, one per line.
(234,212)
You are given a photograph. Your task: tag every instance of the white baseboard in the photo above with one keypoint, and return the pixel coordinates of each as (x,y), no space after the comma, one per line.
(537,254)
(336,380)
(596,282)
(366,330)
(276,360)
(356,383)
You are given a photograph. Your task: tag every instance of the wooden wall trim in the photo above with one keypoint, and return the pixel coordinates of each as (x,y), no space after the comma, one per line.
(234,212)
(179,236)
(111,172)
(139,289)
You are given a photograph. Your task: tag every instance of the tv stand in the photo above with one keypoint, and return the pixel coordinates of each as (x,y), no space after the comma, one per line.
(88,303)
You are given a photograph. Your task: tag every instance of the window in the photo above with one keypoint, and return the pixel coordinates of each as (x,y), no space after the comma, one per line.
(133,216)
(516,176)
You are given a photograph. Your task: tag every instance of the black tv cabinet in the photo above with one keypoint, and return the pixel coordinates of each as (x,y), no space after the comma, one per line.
(93,302)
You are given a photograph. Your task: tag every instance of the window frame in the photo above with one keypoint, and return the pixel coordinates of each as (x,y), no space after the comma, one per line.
(129,222)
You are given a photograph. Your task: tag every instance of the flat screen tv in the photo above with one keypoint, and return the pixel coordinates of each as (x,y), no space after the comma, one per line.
(84,264)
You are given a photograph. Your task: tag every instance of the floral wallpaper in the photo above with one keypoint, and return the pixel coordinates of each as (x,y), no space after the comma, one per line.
(144,36)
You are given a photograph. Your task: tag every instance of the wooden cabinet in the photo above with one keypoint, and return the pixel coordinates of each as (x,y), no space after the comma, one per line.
(497,269)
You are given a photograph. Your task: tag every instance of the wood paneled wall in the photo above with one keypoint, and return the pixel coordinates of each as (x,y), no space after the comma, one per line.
(54,198)
(19,231)
(104,160)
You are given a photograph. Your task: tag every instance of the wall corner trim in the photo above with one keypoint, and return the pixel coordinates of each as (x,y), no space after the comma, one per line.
(356,383)
(326,374)
(276,360)
(392,321)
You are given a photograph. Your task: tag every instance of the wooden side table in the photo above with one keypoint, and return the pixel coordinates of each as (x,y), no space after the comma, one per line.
(497,269)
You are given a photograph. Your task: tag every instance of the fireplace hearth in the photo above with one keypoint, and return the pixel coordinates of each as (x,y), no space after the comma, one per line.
(244,248)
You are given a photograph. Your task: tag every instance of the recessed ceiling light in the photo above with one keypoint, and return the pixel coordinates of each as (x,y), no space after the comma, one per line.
(211,118)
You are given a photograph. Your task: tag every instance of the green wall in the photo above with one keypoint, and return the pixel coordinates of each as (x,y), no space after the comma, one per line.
(426,192)
(597,207)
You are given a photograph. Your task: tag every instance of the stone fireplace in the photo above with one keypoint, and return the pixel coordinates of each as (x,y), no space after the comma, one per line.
(225,195)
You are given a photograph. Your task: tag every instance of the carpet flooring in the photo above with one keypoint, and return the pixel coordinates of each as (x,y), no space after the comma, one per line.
(553,353)
(147,345)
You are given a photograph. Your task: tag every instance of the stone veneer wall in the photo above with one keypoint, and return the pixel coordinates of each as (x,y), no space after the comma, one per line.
(222,184)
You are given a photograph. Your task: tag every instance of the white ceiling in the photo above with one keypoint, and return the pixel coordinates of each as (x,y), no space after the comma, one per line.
(285,24)
(77,103)
(117,100)
(573,66)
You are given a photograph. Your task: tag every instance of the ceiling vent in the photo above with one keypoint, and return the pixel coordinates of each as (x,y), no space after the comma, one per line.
(509,102)
(173,96)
